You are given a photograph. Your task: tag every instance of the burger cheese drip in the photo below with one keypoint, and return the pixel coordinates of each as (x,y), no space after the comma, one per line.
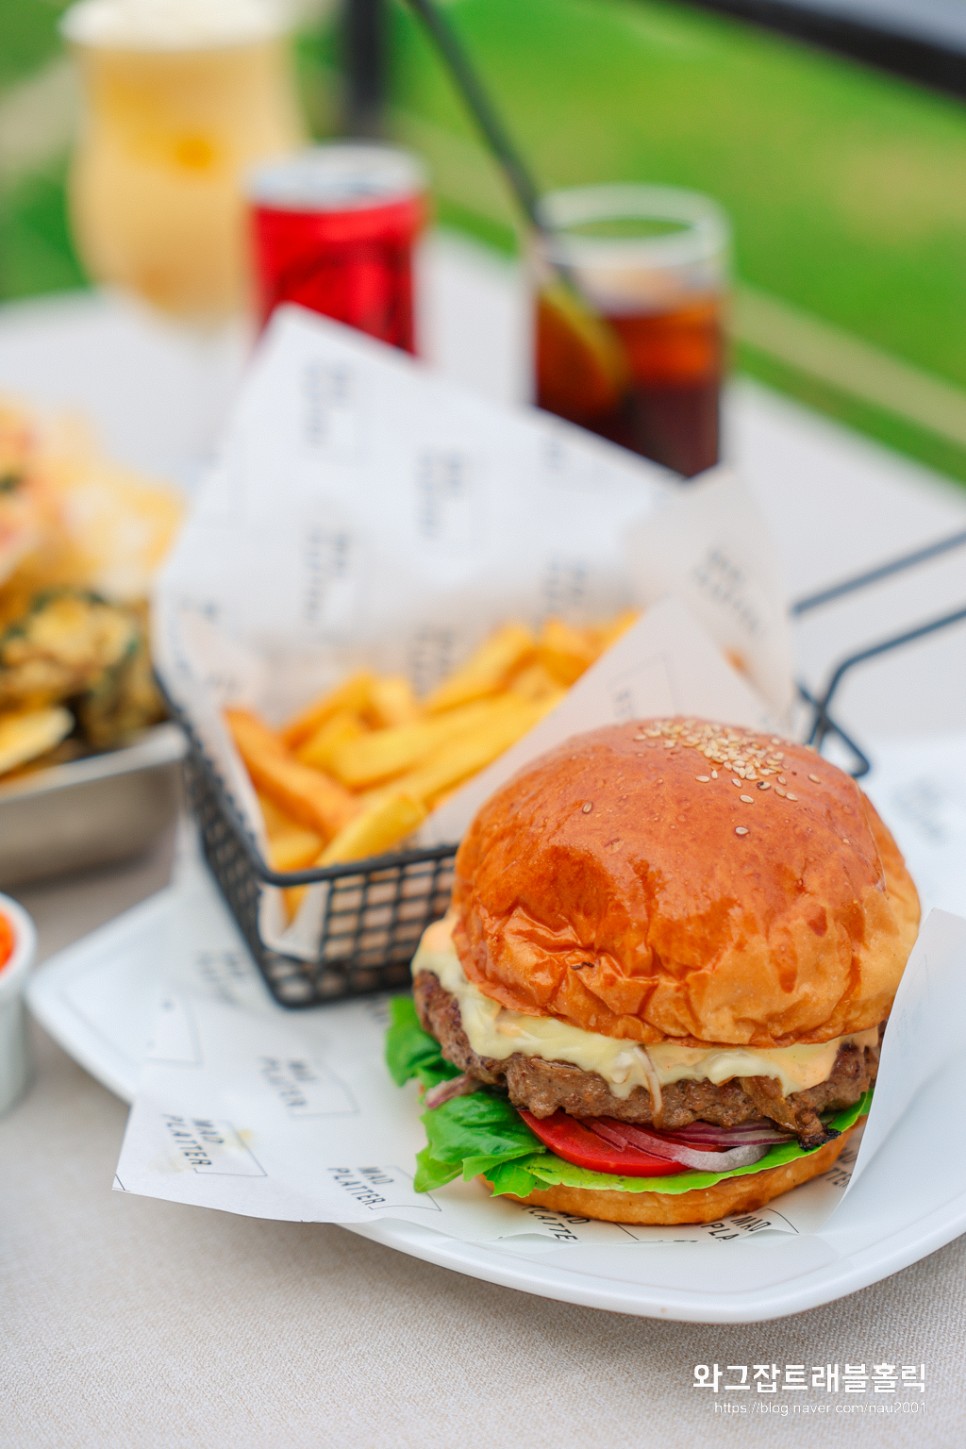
(498,1033)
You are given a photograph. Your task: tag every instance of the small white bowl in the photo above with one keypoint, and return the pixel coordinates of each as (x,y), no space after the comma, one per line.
(14,1065)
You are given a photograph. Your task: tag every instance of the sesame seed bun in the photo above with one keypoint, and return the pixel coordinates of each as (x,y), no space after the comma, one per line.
(704,1205)
(686,880)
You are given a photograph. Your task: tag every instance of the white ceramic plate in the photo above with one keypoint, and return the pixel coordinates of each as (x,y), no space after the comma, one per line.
(97,999)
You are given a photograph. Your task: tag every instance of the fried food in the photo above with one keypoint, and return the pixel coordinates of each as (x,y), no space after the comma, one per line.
(353,694)
(324,745)
(381,825)
(367,759)
(63,647)
(26,734)
(357,770)
(566,651)
(80,539)
(472,751)
(291,846)
(488,670)
(70,517)
(308,796)
(82,659)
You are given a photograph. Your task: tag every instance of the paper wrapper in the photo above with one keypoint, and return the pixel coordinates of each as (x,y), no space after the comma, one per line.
(250,1109)
(365,512)
(919,787)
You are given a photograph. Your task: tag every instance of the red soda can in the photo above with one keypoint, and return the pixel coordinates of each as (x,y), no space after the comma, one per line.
(334,229)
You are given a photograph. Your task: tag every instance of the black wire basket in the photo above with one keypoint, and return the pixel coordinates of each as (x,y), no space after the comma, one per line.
(373,912)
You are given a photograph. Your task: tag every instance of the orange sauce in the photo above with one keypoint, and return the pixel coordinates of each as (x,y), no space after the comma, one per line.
(7,940)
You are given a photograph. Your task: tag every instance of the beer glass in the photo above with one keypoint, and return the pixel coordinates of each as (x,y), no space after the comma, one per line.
(176,111)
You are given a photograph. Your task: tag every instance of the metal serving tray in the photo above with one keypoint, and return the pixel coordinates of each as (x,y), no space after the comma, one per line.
(92,812)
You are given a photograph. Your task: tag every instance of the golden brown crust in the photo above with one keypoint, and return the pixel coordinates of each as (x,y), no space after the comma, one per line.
(703,1205)
(674,879)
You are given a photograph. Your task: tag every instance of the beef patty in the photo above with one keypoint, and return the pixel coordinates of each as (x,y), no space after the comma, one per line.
(544,1087)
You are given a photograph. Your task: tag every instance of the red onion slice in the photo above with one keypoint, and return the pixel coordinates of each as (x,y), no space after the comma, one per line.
(705,1134)
(623,1134)
(460,1086)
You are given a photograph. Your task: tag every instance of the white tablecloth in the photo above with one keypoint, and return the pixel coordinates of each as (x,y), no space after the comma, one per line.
(130,1322)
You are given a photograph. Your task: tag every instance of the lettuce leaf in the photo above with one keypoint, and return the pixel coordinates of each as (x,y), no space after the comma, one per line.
(412,1052)
(482,1124)
(483,1135)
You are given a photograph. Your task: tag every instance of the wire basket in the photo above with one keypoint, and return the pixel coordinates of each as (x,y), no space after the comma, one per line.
(375,911)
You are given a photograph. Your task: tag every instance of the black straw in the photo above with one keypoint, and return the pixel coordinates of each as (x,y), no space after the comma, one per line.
(482,110)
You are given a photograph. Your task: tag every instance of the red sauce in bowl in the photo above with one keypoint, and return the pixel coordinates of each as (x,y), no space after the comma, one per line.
(7,940)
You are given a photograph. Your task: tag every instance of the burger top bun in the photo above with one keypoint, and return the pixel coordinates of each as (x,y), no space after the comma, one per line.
(680,879)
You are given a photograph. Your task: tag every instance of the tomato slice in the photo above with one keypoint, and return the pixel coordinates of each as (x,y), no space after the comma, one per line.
(577,1142)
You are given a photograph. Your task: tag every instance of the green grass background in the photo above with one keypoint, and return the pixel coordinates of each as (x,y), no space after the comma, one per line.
(846,188)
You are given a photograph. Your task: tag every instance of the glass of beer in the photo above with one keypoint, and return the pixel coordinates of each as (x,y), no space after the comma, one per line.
(629,286)
(181,98)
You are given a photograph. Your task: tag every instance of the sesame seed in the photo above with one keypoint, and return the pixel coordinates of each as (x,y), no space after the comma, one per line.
(703,778)
(782,780)
(815,780)
(741,830)
(790,796)
(763,785)
(779,791)
(747,799)
(586,807)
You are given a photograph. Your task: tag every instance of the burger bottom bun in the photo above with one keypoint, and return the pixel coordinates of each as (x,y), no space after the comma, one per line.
(703,1205)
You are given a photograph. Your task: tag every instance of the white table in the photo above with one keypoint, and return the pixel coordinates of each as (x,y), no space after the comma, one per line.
(131,1322)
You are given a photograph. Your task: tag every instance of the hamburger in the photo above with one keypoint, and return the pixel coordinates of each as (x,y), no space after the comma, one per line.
(660,992)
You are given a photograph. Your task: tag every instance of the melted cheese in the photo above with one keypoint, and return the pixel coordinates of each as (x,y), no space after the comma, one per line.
(494,1031)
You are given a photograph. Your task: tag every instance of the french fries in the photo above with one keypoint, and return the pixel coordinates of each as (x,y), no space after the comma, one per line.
(338,729)
(488,670)
(353,695)
(372,758)
(290,845)
(392,702)
(380,826)
(470,752)
(358,770)
(308,796)
(566,651)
